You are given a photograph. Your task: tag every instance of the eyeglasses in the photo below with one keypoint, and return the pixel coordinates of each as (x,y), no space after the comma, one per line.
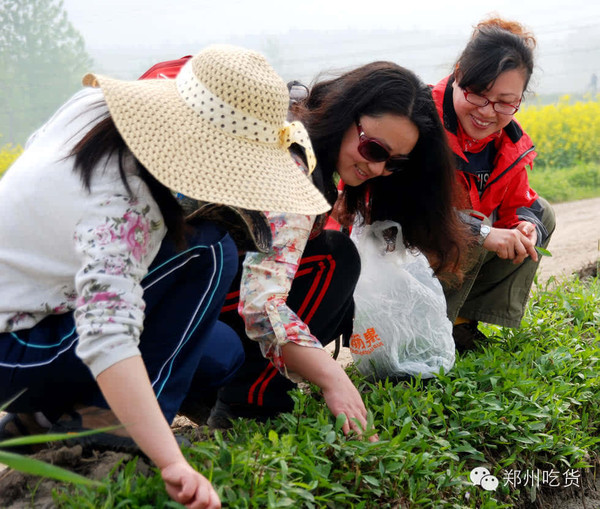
(374,151)
(499,106)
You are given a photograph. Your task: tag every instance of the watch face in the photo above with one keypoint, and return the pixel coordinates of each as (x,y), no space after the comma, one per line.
(485,230)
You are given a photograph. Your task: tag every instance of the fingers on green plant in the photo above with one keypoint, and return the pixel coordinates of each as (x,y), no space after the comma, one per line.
(370,420)
(340,420)
(358,425)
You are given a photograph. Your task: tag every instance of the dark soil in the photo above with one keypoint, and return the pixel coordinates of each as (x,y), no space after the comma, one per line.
(22,491)
(589,271)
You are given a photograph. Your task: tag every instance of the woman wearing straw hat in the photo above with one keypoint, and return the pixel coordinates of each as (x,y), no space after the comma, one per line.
(377,128)
(93,244)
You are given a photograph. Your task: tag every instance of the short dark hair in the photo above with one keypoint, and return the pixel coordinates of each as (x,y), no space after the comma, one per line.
(496,46)
(420,198)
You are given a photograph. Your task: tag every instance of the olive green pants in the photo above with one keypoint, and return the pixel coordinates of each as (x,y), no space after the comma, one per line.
(496,290)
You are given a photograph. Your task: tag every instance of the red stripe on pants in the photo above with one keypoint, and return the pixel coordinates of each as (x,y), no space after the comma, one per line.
(325,274)
(259,380)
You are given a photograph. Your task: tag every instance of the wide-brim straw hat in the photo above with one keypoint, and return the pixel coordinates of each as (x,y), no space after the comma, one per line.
(218,132)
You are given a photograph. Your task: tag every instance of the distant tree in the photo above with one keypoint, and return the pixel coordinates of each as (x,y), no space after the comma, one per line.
(42,60)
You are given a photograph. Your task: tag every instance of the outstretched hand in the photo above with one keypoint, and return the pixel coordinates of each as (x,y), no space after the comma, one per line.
(188,487)
(341,396)
(153,433)
(344,398)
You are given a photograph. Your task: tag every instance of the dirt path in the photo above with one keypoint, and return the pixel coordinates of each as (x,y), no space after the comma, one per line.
(576,241)
(574,246)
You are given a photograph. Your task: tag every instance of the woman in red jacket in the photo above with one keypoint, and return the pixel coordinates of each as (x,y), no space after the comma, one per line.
(477,104)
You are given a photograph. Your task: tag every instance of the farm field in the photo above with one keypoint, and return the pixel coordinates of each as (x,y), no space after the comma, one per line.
(574,246)
(526,402)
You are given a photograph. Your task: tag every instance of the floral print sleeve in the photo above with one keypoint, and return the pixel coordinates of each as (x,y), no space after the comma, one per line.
(266,282)
(117,243)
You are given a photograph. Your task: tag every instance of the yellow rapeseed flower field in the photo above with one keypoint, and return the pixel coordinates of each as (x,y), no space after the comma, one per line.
(8,153)
(564,134)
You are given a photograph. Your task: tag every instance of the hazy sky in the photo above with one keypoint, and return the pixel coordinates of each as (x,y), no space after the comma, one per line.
(154,27)
(115,22)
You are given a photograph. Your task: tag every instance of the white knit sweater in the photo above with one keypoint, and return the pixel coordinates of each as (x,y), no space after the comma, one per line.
(64,249)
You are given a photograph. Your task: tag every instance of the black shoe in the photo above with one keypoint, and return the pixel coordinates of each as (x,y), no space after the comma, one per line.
(72,424)
(197,408)
(222,414)
(14,425)
(467,335)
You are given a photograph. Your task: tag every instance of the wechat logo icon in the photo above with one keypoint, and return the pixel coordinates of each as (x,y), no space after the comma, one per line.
(480,476)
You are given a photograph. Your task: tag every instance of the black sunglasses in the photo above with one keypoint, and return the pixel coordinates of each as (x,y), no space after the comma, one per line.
(374,151)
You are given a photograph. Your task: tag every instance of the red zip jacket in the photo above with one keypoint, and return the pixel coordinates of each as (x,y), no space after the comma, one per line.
(507,197)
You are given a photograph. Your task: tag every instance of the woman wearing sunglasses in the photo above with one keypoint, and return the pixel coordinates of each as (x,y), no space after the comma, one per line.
(375,129)
(477,104)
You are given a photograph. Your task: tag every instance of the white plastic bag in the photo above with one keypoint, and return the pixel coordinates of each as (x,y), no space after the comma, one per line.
(400,323)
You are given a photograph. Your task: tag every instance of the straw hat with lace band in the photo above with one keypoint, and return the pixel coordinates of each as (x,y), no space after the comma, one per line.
(217,133)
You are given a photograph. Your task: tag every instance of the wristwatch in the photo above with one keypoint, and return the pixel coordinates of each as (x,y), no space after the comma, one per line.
(484,231)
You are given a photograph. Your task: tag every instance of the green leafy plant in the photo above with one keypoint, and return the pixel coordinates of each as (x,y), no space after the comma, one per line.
(526,400)
(543,252)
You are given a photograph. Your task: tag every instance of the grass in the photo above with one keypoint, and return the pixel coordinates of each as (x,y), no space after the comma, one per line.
(566,184)
(526,402)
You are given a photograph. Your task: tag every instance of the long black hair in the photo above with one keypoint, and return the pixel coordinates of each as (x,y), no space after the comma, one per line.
(102,141)
(496,46)
(420,197)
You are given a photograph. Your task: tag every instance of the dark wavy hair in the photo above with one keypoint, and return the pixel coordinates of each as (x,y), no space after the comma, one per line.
(421,197)
(102,141)
(496,46)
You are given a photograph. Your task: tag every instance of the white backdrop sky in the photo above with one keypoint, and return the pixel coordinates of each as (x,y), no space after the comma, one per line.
(126,29)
